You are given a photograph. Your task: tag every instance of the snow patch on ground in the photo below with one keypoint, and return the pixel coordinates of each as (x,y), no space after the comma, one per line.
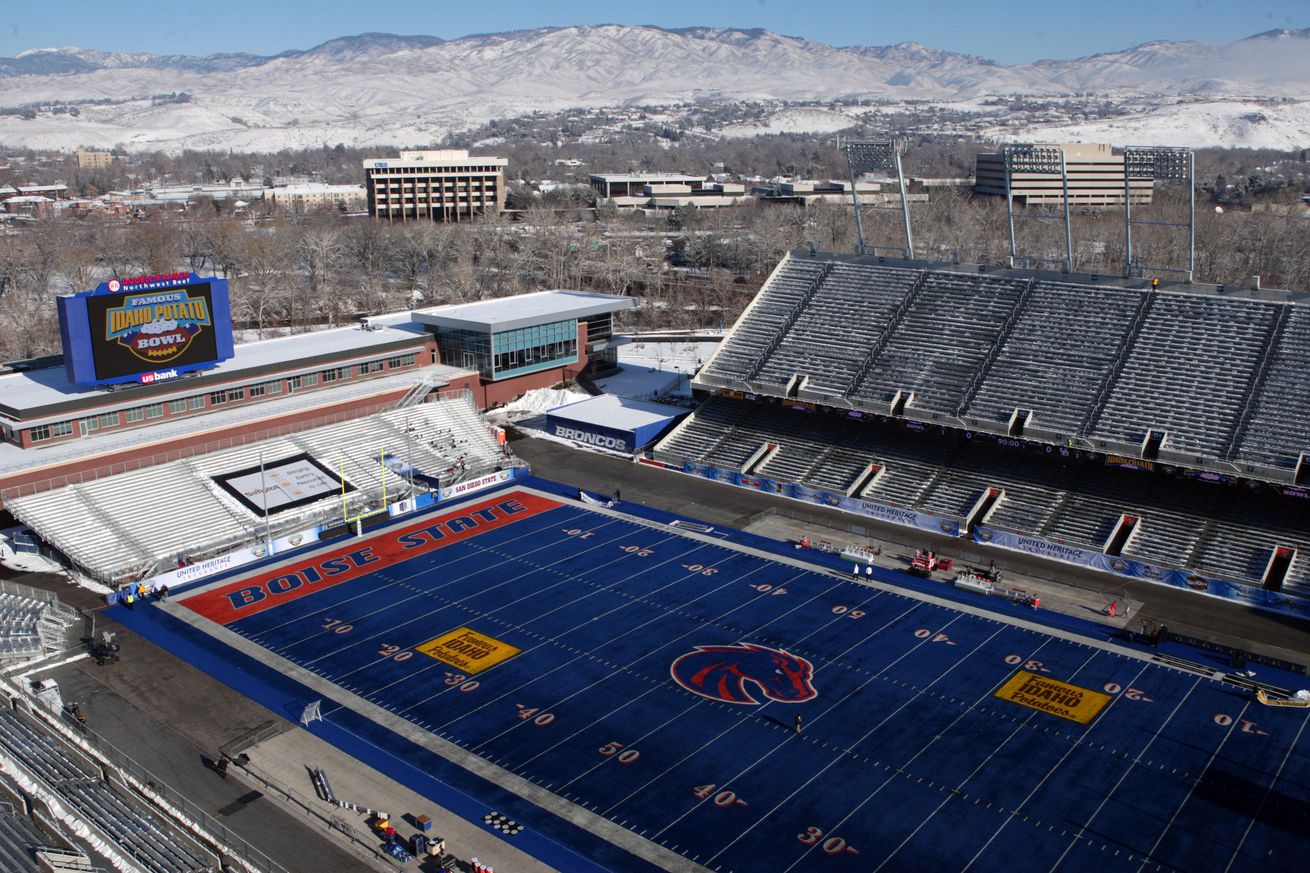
(801,120)
(649,370)
(537,401)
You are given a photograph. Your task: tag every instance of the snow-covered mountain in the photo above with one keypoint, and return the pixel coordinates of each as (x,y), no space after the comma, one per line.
(388,89)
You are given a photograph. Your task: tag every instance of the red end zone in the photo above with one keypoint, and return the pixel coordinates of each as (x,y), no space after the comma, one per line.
(271,588)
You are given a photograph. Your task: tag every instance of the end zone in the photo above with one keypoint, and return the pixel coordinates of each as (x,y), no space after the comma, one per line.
(230,601)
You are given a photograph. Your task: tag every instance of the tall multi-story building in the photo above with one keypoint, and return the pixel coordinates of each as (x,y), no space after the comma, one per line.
(439,185)
(1096,178)
(89,160)
(311,197)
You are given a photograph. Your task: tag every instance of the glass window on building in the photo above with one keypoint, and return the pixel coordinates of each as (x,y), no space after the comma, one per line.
(537,347)
(39,433)
(135,414)
(109,419)
(177,407)
(196,402)
(155,410)
(469,349)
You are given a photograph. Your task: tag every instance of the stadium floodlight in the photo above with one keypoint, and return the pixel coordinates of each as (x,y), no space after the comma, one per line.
(1164,164)
(1034,159)
(867,156)
(1158,162)
(1047,160)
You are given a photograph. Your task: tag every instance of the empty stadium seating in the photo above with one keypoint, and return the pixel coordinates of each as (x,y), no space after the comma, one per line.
(941,340)
(772,310)
(1278,428)
(1100,362)
(838,327)
(19,839)
(100,526)
(78,782)
(1188,372)
(1058,355)
(31,626)
(1180,523)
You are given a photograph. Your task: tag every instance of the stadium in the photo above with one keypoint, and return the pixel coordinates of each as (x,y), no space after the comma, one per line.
(862,609)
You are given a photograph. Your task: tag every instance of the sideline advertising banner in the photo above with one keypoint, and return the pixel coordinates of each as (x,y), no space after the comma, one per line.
(213,566)
(890,514)
(1249,595)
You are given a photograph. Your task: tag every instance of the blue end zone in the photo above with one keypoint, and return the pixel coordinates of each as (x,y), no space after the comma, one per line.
(625,699)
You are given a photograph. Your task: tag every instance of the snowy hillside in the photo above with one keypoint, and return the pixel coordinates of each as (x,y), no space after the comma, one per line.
(387,89)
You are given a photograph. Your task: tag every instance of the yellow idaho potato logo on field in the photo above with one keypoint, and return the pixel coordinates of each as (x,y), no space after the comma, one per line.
(468,650)
(1057,698)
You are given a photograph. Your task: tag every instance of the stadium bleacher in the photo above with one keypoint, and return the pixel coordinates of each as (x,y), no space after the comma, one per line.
(1098,363)
(942,339)
(1088,324)
(148,842)
(1181,523)
(32,625)
(1188,373)
(100,526)
(1279,418)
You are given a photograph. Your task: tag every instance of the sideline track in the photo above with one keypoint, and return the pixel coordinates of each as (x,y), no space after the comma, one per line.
(630,692)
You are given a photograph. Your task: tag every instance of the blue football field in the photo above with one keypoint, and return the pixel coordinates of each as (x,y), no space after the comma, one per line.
(716,706)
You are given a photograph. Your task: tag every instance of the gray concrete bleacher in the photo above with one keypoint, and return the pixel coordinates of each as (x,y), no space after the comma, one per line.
(1278,428)
(1054,361)
(77,780)
(1250,527)
(942,340)
(838,327)
(1181,524)
(742,351)
(19,840)
(101,525)
(1188,372)
(32,625)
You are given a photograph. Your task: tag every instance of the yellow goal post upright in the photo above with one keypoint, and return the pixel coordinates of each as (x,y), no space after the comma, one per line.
(358,519)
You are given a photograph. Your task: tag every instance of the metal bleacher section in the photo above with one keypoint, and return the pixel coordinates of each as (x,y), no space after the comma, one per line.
(1280,412)
(105,526)
(1096,364)
(150,844)
(1189,372)
(1227,532)
(941,341)
(1089,329)
(32,623)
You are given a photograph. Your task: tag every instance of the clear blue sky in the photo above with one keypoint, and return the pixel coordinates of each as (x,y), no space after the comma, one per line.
(1010,31)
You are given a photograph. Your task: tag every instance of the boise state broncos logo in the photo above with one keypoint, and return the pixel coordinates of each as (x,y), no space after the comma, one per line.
(722,673)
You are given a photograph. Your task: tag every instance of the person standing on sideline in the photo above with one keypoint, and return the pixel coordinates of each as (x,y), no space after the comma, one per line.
(1114,605)
(798,725)
(131,596)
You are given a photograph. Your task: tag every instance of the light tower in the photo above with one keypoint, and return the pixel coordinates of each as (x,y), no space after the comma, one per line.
(1165,164)
(865,156)
(1047,160)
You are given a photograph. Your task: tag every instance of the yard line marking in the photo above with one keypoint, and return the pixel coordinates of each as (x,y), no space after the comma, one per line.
(743,720)
(1268,791)
(867,734)
(1019,727)
(1127,771)
(1231,730)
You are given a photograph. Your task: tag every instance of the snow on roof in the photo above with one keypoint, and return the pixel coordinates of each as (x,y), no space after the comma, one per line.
(35,389)
(523,310)
(621,413)
(647,177)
